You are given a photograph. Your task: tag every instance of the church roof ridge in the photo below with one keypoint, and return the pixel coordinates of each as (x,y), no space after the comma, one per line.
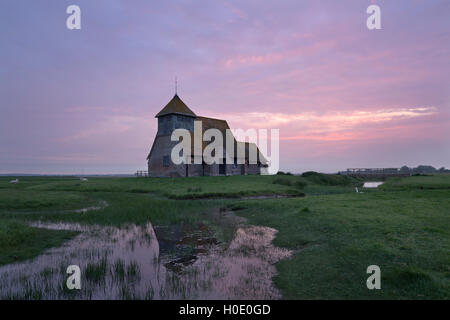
(176,106)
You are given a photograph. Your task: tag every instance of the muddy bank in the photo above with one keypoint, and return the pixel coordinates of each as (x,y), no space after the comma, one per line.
(188,262)
(180,245)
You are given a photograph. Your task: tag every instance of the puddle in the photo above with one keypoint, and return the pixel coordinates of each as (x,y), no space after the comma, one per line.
(372,184)
(250,260)
(130,263)
(273,196)
(102,205)
(257,197)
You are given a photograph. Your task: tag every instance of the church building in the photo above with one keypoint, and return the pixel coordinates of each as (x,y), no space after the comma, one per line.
(177,115)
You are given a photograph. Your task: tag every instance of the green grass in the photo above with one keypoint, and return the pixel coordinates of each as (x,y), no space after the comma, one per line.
(335,232)
(338,236)
(200,187)
(25,200)
(437,181)
(19,242)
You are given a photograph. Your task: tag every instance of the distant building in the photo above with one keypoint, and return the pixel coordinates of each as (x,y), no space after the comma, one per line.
(177,115)
(375,172)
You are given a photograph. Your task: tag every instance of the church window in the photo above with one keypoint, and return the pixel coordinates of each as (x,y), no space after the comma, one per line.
(166,161)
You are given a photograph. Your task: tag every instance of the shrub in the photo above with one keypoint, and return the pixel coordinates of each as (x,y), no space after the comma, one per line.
(327,179)
(282,173)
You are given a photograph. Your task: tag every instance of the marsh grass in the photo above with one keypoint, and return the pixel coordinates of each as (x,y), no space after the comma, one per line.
(47,272)
(428,182)
(119,270)
(340,235)
(133,271)
(336,233)
(25,200)
(19,241)
(96,271)
(282,181)
(194,189)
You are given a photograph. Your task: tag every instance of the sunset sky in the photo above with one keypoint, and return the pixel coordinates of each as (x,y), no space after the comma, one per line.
(84,101)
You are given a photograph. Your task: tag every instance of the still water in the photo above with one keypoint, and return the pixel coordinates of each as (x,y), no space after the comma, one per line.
(127,263)
(372,184)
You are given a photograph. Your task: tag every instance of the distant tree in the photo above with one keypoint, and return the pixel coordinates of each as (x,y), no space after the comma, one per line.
(422,169)
(405,169)
(442,169)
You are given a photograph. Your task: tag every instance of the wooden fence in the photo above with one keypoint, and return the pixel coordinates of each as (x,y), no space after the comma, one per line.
(141,174)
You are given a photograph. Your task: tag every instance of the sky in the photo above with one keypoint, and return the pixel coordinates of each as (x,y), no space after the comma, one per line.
(343,96)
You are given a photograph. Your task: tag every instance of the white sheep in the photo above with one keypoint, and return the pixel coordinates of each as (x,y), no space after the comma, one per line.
(14,181)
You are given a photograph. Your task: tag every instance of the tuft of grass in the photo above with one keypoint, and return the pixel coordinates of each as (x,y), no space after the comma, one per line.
(119,269)
(47,272)
(96,272)
(133,270)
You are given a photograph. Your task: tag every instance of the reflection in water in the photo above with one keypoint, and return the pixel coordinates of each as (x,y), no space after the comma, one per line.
(372,184)
(102,204)
(126,263)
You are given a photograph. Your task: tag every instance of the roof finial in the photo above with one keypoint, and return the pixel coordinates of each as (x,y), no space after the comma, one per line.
(176,86)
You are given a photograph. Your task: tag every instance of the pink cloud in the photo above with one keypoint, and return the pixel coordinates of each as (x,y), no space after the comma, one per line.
(275,57)
(329,121)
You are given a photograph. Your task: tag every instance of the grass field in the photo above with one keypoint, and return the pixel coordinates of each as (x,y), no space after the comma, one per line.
(335,233)
(18,241)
